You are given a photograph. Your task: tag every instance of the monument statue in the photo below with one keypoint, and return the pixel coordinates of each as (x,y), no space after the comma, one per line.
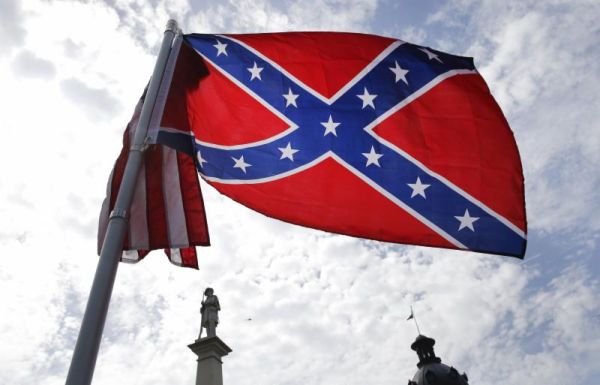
(210,313)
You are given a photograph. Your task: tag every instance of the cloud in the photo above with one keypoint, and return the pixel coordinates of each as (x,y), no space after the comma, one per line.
(414,35)
(12,33)
(38,315)
(551,335)
(97,102)
(72,49)
(265,16)
(28,65)
(325,308)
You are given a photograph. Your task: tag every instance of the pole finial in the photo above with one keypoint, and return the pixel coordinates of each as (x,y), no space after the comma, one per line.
(172,25)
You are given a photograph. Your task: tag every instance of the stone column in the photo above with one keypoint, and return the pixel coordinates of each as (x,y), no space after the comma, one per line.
(209,351)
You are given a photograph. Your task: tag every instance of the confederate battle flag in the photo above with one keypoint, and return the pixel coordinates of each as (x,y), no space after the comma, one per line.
(349,133)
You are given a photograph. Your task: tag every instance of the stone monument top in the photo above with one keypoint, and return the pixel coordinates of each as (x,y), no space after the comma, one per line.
(209,349)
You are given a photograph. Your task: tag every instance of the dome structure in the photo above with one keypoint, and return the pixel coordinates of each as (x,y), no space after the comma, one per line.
(431,369)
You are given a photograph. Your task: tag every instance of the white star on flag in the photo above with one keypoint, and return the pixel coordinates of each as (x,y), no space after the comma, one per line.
(330,126)
(221,48)
(287,152)
(418,188)
(255,72)
(290,98)
(466,221)
(399,72)
(367,98)
(240,163)
(372,157)
(201,160)
(431,55)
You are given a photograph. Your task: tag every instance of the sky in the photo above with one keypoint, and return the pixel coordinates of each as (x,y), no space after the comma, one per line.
(324,308)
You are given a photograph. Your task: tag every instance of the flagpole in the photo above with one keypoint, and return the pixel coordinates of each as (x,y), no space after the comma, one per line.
(415,319)
(90,333)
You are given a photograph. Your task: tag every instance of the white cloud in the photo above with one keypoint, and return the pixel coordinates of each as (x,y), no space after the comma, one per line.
(12,32)
(98,102)
(548,335)
(266,16)
(27,64)
(324,308)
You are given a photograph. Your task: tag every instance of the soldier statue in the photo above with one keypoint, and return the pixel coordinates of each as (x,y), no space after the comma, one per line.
(210,313)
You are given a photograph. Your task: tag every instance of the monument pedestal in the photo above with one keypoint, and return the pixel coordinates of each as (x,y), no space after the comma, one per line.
(209,351)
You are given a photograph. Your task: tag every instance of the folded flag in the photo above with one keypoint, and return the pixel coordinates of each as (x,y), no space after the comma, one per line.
(350,133)
(167,210)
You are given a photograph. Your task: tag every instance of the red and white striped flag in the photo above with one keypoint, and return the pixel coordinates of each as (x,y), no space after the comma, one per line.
(167,210)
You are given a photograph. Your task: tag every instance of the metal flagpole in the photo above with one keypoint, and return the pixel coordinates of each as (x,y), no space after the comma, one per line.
(414,317)
(90,334)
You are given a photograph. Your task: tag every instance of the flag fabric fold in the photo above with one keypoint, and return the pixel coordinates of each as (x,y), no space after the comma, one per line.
(167,210)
